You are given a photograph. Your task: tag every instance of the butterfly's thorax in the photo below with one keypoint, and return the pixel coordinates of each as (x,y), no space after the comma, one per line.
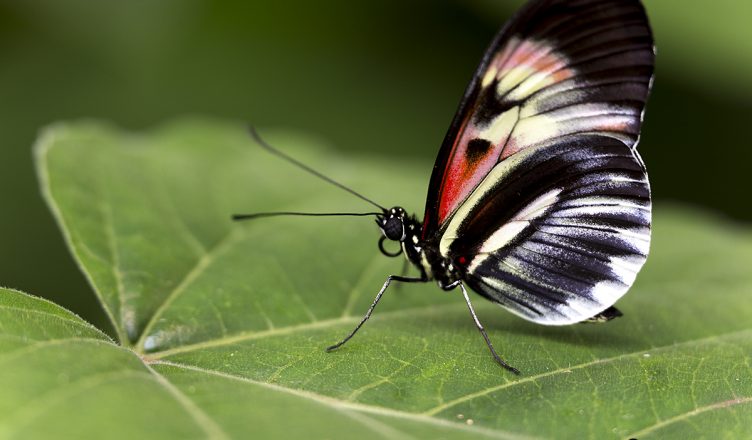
(442,269)
(425,257)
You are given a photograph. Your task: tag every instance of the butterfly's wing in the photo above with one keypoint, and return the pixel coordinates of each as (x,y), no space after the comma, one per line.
(538,193)
(556,232)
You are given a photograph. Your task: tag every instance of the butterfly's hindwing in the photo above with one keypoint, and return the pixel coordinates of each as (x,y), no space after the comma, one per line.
(569,229)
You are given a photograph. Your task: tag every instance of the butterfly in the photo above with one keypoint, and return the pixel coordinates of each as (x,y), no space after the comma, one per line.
(538,200)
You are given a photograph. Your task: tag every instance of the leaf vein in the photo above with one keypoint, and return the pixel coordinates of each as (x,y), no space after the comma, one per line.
(83,324)
(555,372)
(229,240)
(38,345)
(280,331)
(342,405)
(41,149)
(210,427)
(109,233)
(689,414)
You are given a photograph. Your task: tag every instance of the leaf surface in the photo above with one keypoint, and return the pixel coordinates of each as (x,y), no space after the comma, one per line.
(222,326)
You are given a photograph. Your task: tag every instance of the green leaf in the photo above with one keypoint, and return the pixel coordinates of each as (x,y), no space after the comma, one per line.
(222,326)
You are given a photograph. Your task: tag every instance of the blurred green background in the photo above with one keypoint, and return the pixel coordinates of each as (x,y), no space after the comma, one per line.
(381,76)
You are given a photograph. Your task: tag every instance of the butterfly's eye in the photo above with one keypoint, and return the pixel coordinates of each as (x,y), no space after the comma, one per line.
(393,228)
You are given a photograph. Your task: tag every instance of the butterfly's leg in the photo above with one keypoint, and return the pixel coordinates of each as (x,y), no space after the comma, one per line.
(483,331)
(376,300)
(403,272)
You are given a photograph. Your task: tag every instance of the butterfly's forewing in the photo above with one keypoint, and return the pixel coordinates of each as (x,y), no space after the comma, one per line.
(558,67)
(538,192)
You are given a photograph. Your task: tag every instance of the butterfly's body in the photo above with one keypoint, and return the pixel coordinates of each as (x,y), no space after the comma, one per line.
(396,225)
(539,200)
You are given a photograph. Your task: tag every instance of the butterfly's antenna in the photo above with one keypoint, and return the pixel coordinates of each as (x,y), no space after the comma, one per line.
(307,214)
(305,167)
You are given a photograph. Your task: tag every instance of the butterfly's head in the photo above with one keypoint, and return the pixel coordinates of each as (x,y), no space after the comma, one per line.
(392,223)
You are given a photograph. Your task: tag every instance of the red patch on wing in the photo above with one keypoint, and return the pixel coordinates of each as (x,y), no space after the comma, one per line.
(463,172)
